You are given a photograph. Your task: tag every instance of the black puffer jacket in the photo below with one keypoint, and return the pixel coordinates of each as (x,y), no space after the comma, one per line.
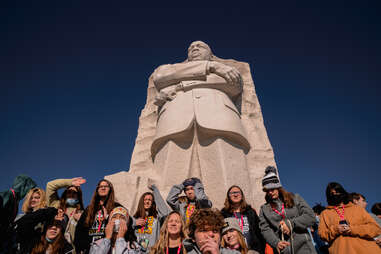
(257,241)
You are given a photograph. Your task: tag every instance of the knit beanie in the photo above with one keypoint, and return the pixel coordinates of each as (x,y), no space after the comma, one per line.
(271,179)
(231,223)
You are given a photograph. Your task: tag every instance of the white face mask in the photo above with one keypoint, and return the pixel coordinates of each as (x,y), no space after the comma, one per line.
(116,225)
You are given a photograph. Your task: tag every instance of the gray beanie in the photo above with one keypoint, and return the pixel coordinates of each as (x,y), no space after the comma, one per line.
(271,179)
(231,223)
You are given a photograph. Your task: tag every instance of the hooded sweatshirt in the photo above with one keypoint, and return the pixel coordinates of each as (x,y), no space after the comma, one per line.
(9,202)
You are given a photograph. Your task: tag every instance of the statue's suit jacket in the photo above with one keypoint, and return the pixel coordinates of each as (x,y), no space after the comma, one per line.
(200,97)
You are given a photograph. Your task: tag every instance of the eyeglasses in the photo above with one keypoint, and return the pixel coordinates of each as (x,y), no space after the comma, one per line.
(103,187)
(234,193)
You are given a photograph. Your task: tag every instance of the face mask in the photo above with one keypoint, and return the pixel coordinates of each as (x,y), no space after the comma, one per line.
(71,201)
(49,240)
(317,219)
(116,225)
(337,199)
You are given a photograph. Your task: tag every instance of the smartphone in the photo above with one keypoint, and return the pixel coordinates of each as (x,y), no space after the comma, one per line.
(343,222)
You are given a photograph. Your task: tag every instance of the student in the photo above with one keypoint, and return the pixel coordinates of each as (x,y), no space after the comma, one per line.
(205,228)
(376,215)
(34,200)
(348,228)
(92,223)
(247,218)
(194,198)
(52,241)
(150,212)
(9,203)
(30,227)
(119,235)
(232,237)
(358,199)
(70,202)
(172,234)
(285,217)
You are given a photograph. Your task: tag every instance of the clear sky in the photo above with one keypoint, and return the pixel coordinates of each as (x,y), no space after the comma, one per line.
(73,80)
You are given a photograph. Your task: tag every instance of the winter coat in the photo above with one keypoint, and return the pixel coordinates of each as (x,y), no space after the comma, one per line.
(9,203)
(363,229)
(202,200)
(31,226)
(298,218)
(162,211)
(191,248)
(103,246)
(257,242)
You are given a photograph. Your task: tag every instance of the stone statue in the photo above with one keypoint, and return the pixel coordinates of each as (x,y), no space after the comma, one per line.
(199,131)
(202,119)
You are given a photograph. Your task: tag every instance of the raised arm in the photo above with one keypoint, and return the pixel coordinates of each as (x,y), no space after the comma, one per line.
(173,197)
(201,197)
(161,206)
(51,191)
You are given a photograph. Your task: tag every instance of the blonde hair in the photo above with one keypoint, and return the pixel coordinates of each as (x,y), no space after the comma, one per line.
(43,202)
(241,240)
(162,244)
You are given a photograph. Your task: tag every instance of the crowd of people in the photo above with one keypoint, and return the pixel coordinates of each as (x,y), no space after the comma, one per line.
(184,223)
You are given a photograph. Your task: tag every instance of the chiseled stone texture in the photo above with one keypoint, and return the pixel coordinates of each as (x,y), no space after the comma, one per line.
(131,185)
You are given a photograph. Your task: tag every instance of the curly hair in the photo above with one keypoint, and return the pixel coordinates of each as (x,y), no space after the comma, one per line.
(43,202)
(163,242)
(206,218)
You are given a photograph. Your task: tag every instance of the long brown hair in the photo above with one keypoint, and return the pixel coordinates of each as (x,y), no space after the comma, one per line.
(79,206)
(228,205)
(141,211)
(286,197)
(163,242)
(95,206)
(57,246)
(43,202)
(242,243)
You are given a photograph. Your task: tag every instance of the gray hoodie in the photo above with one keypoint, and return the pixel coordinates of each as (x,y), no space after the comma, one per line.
(162,211)
(202,201)
(103,246)
(298,218)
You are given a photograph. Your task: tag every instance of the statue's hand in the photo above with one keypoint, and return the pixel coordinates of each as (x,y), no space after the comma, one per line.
(160,99)
(230,74)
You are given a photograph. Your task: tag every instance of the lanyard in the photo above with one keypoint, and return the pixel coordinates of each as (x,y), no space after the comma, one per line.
(240,221)
(178,249)
(15,206)
(341,214)
(189,209)
(144,228)
(100,220)
(280,213)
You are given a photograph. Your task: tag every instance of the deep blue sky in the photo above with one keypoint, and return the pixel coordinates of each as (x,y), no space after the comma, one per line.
(73,79)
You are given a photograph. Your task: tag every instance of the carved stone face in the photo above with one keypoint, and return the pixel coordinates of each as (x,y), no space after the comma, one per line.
(199,50)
